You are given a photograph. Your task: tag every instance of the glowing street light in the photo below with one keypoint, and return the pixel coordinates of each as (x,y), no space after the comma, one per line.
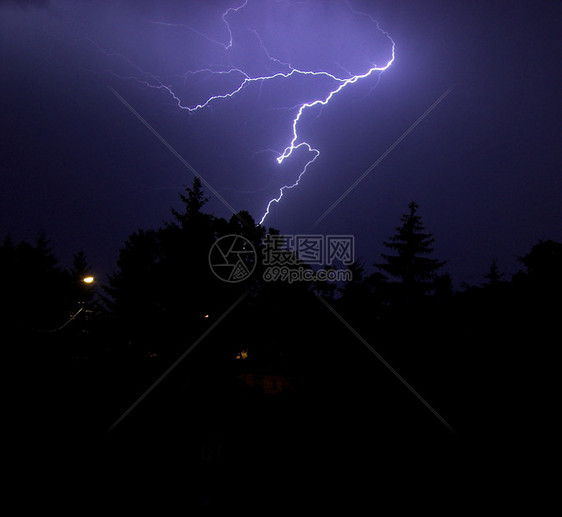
(88,279)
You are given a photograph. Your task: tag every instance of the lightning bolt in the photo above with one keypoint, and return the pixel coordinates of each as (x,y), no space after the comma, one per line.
(245,79)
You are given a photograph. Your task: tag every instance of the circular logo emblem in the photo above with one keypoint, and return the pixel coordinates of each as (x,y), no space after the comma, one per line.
(232,258)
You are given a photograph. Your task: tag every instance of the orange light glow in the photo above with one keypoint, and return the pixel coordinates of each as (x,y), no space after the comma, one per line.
(243,354)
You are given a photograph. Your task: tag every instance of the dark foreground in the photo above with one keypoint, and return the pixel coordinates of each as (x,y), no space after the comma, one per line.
(342,434)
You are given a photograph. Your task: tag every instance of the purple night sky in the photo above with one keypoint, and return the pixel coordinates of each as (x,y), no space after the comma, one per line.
(484,165)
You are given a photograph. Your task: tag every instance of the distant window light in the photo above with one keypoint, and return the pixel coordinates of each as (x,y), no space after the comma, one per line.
(243,354)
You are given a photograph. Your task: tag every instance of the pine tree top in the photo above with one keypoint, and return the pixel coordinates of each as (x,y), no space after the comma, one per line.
(411,244)
(193,202)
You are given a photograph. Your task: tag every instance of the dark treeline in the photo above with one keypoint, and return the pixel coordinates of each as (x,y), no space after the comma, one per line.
(369,384)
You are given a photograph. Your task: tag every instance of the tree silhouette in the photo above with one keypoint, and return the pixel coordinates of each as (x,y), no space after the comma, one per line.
(36,291)
(360,297)
(80,266)
(191,215)
(410,264)
(163,297)
(493,276)
(164,291)
(544,264)
(538,287)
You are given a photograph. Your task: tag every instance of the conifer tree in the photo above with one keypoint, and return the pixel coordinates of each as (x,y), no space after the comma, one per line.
(410,263)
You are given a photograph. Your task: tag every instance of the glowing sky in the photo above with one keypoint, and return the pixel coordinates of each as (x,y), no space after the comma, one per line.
(484,165)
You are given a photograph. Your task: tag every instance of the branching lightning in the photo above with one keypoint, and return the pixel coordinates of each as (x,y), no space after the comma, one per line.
(295,142)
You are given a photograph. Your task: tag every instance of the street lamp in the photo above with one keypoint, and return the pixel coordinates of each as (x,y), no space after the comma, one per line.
(88,279)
